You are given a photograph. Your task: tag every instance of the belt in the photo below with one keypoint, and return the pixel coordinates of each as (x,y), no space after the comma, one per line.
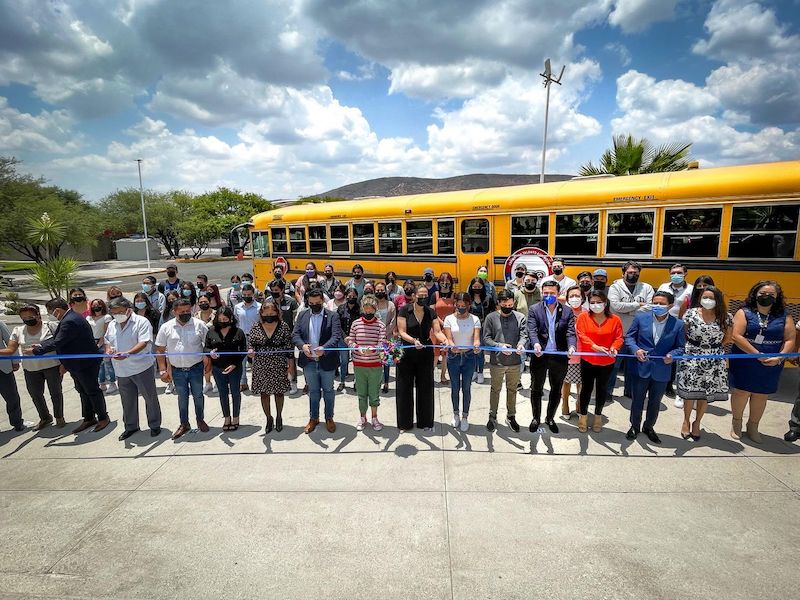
(174,368)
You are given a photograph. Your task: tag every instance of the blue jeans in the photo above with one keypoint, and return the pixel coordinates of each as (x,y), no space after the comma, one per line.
(344,359)
(480,361)
(107,374)
(320,383)
(184,382)
(461,366)
(654,390)
(226,383)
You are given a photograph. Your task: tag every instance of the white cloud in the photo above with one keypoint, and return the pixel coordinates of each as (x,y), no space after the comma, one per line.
(621,51)
(673,100)
(48,132)
(449,81)
(637,15)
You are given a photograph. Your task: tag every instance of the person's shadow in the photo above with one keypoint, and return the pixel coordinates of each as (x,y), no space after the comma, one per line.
(84,437)
(344,434)
(288,432)
(229,438)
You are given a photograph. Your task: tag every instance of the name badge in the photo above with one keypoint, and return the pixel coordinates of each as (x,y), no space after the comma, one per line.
(759,339)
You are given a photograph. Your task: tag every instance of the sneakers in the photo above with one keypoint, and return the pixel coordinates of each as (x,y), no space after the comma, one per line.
(464,423)
(678,402)
(456,421)
(475,376)
(112,387)
(491,424)
(376,424)
(207,387)
(480,378)
(362,422)
(512,422)
(520,387)
(340,387)
(292,387)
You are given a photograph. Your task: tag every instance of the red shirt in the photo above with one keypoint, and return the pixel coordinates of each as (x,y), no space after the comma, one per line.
(608,334)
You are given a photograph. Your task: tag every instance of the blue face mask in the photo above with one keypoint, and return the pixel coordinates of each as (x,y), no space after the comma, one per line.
(236,285)
(140,305)
(659,310)
(146,288)
(187,293)
(549,299)
(676,278)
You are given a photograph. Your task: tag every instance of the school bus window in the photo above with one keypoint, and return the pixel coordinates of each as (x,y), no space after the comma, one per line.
(340,238)
(763,231)
(691,232)
(446,236)
(279,245)
(419,237)
(529,230)
(390,238)
(260,244)
(317,239)
(576,234)
(475,236)
(363,238)
(297,240)
(630,233)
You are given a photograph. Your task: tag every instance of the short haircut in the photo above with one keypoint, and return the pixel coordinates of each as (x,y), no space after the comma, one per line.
(203,277)
(277,283)
(505,295)
(369,300)
(314,293)
(668,295)
(248,287)
(631,263)
(149,279)
(181,302)
(248,275)
(55,303)
(120,302)
(273,303)
(357,266)
(462,297)
(551,283)
(583,274)
(29,308)
(558,259)
(77,289)
(680,266)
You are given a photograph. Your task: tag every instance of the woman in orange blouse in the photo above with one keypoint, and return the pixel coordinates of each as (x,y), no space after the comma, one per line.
(598,331)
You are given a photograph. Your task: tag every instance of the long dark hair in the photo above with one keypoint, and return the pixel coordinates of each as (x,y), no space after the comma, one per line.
(483,289)
(176,295)
(721,309)
(186,285)
(776,309)
(604,297)
(706,280)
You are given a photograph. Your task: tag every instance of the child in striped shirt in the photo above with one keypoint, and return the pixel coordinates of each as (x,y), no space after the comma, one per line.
(367,332)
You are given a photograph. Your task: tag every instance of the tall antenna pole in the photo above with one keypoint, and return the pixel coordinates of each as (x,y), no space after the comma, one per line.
(144,216)
(548,79)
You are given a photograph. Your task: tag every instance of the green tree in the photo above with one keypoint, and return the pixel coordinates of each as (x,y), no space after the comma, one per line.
(319,199)
(631,156)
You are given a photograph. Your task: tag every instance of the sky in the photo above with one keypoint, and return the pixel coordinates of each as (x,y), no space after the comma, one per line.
(288,98)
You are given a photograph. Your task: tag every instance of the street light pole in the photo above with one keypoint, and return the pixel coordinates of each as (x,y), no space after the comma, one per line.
(548,79)
(144,216)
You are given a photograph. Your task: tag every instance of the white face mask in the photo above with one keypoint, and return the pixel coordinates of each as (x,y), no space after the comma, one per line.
(575,301)
(121,318)
(597,307)
(708,303)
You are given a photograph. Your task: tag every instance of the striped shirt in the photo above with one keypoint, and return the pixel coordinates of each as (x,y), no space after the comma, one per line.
(372,335)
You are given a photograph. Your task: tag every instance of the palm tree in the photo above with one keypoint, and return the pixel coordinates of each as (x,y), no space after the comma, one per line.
(631,156)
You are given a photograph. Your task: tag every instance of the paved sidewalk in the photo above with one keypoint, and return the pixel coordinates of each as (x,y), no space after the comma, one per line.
(388,515)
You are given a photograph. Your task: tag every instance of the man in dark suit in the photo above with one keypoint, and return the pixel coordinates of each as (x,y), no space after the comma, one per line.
(315,331)
(551,328)
(662,335)
(74,336)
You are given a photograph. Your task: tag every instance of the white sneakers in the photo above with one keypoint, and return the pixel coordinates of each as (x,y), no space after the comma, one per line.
(208,387)
(376,425)
(480,378)
(112,387)
(464,423)
(292,387)
(456,422)
(678,402)
(362,422)
(170,388)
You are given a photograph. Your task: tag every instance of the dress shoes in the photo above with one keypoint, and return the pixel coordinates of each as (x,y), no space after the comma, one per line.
(330,425)
(182,430)
(85,425)
(155,432)
(652,435)
(202,425)
(631,435)
(126,434)
(101,425)
(311,426)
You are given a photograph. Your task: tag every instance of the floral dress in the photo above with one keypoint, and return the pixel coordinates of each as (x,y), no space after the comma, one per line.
(270,371)
(705,378)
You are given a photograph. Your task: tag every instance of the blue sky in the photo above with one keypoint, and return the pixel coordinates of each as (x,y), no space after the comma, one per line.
(292,97)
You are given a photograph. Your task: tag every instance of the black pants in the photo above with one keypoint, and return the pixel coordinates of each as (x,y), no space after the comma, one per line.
(555,369)
(415,372)
(35,381)
(594,376)
(93,403)
(9,392)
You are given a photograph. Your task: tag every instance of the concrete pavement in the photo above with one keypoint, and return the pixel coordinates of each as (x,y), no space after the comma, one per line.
(383,514)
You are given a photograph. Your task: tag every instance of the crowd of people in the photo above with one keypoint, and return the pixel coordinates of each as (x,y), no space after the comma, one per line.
(580,332)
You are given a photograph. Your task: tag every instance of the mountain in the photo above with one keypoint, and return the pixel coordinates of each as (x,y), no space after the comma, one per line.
(403,186)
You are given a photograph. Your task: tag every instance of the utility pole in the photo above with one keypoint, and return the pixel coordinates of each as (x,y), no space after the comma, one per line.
(144,216)
(548,79)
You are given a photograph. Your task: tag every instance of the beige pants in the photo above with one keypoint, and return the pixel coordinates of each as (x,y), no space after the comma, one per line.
(512,376)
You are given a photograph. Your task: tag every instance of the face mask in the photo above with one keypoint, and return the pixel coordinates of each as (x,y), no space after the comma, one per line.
(369,316)
(520,274)
(483,275)
(269,318)
(277,295)
(223,324)
(30,322)
(390,280)
(352,301)
(659,310)
(201,285)
(368,291)
(247,281)
(315,308)
(586,286)
(185,318)
(97,310)
(310,273)
(422,301)
(708,303)
(247,299)
(171,273)
(444,285)
(558,270)
(120,318)
(428,278)
(147,288)
(204,306)
(140,305)
(765,300)
(380,295)
(599,285)
(461,309)
(328,275)
(187,293)
(549,299)
(79,299)
(357,275)
(676,278)
(632,277)
(530,286)
(575,301)
(597,307)
(277,274)
(338,295)
(476,291)
(236,285)
(506,310)
(408,291)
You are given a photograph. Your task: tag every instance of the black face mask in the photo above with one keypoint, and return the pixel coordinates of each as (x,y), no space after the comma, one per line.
(201,286)
(585,286)
(97,310)
(223,324)
(558,271)
(389,281)
(315,308)
(632,277)
(506,310)
(247,299)
(185,318)
(79,299)
(530,286)
(428,278)
(269,318)
(422,301)
(380,295)
(30,322)
(408,291)
(599,285)
(203,306)
(352,301)
(278,275)
(368,316)
(277,294)
(357,275)
(765,300)
(520,274)
(171,273)
(328,275)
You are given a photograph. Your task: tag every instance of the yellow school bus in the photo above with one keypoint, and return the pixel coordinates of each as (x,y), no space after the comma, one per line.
(737,224)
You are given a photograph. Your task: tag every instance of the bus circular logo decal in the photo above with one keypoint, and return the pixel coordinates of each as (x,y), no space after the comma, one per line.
(534,259)
(282,263)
